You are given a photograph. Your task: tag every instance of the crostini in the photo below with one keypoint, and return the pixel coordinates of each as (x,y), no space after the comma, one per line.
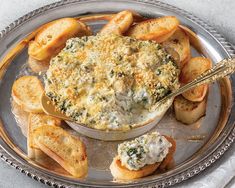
(66,149)
(179,41)
(158,29)
(52,37)
(119,24)
(143,156)
(35,121)
(195,67)
(26,92)
(189,112)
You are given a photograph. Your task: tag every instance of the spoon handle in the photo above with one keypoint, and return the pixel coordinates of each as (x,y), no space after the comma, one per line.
(218,71)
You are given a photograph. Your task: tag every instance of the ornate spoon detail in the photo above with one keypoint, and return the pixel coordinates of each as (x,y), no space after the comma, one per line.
(219,70)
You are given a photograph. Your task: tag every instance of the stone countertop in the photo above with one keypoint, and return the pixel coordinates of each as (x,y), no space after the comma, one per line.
(218,13)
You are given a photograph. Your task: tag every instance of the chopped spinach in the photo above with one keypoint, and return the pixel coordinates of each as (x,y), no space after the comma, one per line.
(132,151)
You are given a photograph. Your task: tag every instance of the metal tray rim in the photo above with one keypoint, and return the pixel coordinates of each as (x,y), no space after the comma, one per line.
(197,168)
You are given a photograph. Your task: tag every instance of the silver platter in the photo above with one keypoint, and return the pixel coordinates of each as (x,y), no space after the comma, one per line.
(193,155)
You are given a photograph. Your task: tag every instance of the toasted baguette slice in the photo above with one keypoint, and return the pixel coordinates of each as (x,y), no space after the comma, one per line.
(159,29)
(38,120)
(67,150)
(180,42)
(119,24)
(26,92)
(34,152)
(189,112)
(51,39)
(122,173)
(38,66)
(195,67)
(193,39)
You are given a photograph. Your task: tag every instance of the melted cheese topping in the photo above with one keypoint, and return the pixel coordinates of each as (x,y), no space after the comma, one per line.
(109,81)
(147,149)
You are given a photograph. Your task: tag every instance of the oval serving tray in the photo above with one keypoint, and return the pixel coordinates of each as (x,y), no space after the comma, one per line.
(197,149)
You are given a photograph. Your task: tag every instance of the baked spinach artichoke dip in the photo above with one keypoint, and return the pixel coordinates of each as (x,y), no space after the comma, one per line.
(110,82)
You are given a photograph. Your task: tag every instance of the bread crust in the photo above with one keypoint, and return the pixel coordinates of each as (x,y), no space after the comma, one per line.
(122,173)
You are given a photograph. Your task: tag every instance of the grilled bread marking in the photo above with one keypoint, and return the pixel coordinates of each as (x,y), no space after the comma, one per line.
(188,112)
(119,24)
(69,151)
(158,29)
(51,39)
(26,92)
(195,67)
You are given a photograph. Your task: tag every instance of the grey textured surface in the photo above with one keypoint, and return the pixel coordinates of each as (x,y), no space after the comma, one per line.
(218,13)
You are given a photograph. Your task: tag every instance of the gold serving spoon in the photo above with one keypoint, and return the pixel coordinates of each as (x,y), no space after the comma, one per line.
(50,109)
(219,70)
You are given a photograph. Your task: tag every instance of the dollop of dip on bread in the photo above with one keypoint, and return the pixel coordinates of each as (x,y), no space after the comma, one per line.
(144,150)
(143,156)
(110,82)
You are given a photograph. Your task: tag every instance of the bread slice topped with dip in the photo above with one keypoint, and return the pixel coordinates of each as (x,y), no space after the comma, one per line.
(143,156)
